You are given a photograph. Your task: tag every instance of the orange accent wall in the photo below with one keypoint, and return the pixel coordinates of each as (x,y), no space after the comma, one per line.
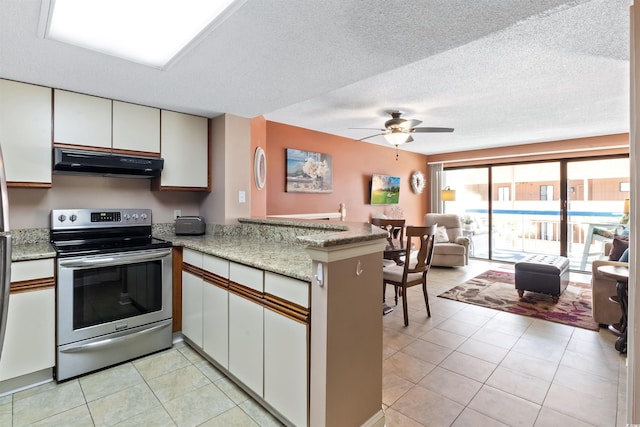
(353,164)
(355,161)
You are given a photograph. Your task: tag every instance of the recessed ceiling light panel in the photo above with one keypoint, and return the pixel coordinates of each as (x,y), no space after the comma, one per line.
(149,32)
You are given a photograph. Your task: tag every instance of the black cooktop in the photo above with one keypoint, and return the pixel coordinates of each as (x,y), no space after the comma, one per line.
(105,246)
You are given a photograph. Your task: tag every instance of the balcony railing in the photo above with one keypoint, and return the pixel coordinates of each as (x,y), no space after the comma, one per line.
(517,233)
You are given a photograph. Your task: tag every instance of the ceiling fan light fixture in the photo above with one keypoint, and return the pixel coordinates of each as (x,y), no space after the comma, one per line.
(396,138)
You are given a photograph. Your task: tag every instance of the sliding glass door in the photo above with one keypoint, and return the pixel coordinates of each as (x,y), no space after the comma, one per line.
(596,193)
(472,200)
(567,207)
(525,210)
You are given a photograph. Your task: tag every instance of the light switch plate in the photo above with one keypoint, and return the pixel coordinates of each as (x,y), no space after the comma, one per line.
(242,197)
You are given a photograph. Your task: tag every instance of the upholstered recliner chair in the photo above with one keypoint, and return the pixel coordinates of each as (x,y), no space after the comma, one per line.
(604,311)
(451,247)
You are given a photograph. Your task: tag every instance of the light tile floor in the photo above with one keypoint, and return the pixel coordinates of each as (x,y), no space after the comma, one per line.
(464,366)
(472,366)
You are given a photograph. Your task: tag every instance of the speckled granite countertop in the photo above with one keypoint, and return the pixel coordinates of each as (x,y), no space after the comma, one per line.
(284,258)
(319,233)
(29,244)
(31,251)
(271,244)
(276,245)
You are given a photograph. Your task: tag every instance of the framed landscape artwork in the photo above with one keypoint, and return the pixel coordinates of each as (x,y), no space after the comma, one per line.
(385,189)
(308,172)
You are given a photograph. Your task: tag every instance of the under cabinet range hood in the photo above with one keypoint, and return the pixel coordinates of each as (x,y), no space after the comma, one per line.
(79,162)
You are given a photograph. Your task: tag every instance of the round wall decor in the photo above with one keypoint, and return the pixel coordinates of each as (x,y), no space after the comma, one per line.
(260,168)
(417,182)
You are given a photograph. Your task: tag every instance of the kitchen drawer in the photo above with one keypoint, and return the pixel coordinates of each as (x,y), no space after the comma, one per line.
(287,288)
(192,257)
(31,270)
(215,265)
(247,276)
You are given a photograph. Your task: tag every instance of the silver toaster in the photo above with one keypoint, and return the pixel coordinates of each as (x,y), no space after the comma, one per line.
(190,226)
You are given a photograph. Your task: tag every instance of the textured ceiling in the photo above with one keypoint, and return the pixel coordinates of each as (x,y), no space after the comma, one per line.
(499,72)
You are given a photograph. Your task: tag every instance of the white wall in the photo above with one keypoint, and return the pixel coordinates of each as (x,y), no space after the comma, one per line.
(231,165)
(31,207)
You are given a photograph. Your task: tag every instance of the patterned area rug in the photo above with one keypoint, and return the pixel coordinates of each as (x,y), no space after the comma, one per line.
(496,289)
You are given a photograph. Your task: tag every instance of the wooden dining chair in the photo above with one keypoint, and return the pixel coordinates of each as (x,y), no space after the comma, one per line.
(395,227)
(414,271)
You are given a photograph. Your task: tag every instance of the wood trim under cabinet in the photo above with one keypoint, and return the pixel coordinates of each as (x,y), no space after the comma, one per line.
(287,308)
(246,293)
(32,285)
(177,288)
(14,184)
(155,185)
(215,280)
(81,147)
(106,150)
(135,153)
(207,276)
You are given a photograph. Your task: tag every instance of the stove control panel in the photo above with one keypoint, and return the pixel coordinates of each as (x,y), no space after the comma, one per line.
(62,219)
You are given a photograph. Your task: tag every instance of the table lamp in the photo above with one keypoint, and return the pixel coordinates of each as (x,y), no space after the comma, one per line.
(448,195)
(626,209)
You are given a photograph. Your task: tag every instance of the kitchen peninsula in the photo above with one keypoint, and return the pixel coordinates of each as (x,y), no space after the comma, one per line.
(295,307)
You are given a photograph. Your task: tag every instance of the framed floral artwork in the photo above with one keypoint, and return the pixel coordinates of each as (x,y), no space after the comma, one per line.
(308,172)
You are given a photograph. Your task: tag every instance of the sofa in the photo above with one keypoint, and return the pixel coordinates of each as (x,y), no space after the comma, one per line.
(451,248)
(604,311)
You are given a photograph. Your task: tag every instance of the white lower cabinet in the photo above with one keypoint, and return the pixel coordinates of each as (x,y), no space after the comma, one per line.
(254,324)
(286,366)
(192,309)
(29,343)
(246,349)
(216,323)
(246,342)
(205,305)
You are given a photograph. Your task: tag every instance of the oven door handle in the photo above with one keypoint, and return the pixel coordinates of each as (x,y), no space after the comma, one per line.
(111,341)
(115,260)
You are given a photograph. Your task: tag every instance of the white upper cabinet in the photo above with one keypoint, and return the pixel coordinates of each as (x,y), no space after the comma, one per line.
(136,128)
(25,133)
(185,150)
(81,119)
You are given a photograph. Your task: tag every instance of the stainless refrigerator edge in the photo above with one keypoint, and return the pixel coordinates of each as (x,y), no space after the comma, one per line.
(5,252)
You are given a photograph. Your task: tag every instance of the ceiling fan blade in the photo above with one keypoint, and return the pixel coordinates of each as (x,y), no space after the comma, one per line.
(430,129)
(381,130)
(411,124)
(370,136)
(409,139)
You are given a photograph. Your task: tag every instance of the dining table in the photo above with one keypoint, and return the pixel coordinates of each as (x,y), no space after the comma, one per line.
(394,250)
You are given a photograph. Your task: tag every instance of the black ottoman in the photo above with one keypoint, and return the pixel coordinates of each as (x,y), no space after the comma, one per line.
(546,274)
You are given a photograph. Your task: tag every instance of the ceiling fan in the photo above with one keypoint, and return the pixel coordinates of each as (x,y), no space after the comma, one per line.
(398,130)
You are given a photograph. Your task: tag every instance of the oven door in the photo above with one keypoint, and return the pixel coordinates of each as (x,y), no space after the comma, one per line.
(103,294)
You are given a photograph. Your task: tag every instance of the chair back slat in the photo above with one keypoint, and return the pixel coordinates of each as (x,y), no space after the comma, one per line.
(426,237)
(395,227)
